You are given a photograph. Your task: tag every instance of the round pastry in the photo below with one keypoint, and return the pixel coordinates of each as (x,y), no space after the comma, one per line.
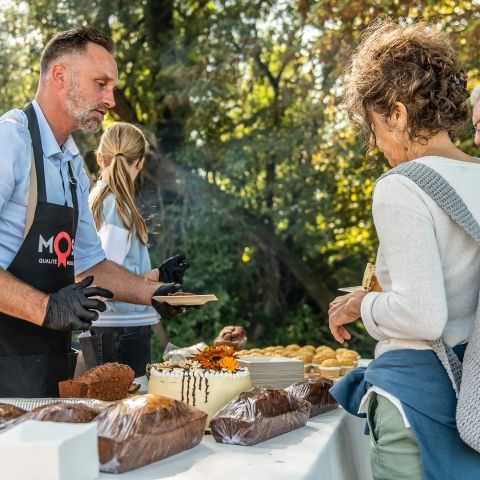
(330,368)
(324,348)
(346,361)
(310,348)
(330,362)
(318,359)
(324,356)
(347,351)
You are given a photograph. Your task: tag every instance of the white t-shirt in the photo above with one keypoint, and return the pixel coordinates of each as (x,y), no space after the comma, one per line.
(124,248)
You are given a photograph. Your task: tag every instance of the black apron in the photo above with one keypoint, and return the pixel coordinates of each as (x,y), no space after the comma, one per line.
(34,359)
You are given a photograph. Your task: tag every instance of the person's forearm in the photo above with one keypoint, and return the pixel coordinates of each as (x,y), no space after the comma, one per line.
(125,286)
(20,300)
(152,275)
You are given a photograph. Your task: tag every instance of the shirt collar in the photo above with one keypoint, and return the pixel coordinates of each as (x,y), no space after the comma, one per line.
(49,143)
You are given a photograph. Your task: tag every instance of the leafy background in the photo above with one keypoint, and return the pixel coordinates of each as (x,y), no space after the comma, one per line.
(255,172)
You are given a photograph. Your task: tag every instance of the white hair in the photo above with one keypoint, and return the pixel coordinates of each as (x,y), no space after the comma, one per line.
(475,95)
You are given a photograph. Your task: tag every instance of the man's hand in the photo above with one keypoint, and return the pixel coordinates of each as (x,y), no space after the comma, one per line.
(343,310)
(173,269)
(164,309)
(71,308)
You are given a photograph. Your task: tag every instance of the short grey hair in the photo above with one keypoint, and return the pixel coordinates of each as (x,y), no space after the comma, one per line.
(475,96)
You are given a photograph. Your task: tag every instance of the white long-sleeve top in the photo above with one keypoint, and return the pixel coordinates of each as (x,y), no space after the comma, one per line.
(428,267)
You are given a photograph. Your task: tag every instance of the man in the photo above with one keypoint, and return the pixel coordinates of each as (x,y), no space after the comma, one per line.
(47,235)
(475,99)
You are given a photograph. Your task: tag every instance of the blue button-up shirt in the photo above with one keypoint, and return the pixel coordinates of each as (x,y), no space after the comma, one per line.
(15,162)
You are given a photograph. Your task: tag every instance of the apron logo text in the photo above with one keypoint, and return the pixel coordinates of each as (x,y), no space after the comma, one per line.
(53,245)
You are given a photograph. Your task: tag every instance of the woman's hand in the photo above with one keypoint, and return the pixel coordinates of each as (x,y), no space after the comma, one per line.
(343,310)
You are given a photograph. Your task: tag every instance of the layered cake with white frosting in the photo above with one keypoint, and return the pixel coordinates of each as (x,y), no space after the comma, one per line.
(207,380)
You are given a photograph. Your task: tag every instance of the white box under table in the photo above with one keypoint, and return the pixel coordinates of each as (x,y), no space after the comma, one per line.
(49,451)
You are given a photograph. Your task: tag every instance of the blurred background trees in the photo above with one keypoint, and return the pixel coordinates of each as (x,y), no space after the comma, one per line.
(255,171)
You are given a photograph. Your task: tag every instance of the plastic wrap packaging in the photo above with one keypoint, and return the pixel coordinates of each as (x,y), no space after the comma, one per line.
(62,412)
(8,414)
(258,415)
(175,354)
(110,381)
(144,429)
(316,392)
(72,412)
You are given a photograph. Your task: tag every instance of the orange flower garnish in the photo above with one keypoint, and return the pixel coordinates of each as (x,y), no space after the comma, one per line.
(230,364)
(216,358)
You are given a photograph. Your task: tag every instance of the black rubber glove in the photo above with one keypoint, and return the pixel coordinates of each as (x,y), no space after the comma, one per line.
(164,309)
(71,308)
(173,269)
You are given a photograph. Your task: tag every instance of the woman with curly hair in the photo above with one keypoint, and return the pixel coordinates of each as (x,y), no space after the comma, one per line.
(406,85)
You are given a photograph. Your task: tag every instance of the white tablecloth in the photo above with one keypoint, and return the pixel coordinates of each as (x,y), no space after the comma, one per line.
(330,447)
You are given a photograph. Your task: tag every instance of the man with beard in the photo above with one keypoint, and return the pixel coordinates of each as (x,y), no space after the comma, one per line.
(47,235)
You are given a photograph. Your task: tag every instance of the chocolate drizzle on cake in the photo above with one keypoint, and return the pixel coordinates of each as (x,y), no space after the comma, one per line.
(206,389)
(194,388)
(188,386)
(183,386)
(200,384)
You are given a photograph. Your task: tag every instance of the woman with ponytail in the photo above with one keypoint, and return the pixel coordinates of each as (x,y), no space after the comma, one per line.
(124,331)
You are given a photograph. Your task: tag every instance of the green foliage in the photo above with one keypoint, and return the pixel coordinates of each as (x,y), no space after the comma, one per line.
(256,175)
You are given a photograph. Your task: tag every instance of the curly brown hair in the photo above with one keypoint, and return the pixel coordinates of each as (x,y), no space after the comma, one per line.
(412,64)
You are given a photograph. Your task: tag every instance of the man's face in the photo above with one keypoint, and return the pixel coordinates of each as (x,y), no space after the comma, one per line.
(476,122)
(90,93)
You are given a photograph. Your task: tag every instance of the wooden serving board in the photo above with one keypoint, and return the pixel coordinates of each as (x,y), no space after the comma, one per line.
(186,300)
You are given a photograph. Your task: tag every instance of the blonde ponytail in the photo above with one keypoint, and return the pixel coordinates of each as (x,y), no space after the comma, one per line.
(121,145)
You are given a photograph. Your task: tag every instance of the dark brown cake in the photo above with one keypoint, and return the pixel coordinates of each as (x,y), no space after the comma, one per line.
(316,392)
(258,415)
(63,412)
(144,429)
(232,336)
(110,381)
(8,413)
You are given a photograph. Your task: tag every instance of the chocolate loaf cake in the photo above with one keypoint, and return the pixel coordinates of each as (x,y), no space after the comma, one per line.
(258,415)
(110,381)
(144,429)
(63,412)
(8,413)
(316,392)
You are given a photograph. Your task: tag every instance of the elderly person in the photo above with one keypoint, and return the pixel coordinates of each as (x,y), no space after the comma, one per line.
(475,99)
(406,85)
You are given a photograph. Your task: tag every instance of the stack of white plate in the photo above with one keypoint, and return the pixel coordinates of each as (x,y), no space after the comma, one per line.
(275,372)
